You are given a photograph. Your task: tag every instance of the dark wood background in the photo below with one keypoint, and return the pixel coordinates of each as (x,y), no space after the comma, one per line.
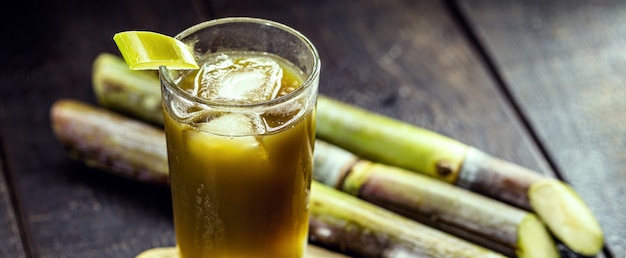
(539,83)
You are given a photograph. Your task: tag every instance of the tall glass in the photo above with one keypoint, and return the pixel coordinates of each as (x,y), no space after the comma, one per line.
(241,158)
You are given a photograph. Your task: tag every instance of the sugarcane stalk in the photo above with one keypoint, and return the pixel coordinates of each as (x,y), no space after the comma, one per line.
(386,140)
(381,233)
(337,219)
(129,92)
(474,217)
(389,141)
(86,132)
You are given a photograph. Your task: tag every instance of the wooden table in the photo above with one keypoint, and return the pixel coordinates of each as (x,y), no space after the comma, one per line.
(539,83)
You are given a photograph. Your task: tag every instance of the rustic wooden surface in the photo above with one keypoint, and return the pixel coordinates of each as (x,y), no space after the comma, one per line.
(568,77)
(539,84)
(9,232)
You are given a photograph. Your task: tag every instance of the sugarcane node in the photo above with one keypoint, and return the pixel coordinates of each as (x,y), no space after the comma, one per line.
(444,168)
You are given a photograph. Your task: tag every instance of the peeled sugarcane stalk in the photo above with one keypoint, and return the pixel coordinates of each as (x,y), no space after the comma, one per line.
(393,142)
(337,219)
(493,224)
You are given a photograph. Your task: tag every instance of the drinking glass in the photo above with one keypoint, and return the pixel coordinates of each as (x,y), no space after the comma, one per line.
(241,158)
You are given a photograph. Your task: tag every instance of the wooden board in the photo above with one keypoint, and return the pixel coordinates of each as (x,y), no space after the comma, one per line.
(9,231)
(564,63)
(406,59)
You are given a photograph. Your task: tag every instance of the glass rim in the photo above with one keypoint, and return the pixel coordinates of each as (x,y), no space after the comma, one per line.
(306,84)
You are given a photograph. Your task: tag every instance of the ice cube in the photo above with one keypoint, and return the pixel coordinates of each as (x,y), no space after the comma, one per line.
(184,110)
(232,136)
(239,79)
(233,125)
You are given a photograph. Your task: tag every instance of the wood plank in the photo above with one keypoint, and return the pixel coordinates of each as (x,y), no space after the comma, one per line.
(9,232)
(564,64)
(70,210)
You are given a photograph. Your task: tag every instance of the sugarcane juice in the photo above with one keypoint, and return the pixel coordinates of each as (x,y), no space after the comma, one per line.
(240,181)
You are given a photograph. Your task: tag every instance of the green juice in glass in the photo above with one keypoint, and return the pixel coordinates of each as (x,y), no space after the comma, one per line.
(240,170)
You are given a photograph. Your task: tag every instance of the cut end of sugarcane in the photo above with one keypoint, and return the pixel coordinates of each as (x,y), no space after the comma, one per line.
(145,50)
(534,240)
(567,216)
(159,252)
